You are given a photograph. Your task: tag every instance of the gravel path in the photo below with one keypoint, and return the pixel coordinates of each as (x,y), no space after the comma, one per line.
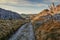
(24,33)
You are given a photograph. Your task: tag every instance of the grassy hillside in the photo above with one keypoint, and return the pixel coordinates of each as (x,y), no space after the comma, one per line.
(8,27)
(49,30)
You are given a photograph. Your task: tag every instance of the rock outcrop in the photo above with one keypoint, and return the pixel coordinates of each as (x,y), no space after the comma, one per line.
(51,11)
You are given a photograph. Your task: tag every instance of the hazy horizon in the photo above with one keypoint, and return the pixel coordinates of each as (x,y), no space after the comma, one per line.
(26,6)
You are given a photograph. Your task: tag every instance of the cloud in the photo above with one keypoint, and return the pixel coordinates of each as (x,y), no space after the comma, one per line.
(9,8)
(8,2)
(22,6)
(51,0)
(20,3)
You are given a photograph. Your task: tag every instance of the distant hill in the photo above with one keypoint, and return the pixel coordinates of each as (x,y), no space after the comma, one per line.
(28,15)
(6,14)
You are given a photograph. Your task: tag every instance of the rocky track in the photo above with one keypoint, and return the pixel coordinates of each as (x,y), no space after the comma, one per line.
(24,33)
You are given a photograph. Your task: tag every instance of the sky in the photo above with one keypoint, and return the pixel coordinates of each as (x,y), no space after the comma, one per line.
(26,6)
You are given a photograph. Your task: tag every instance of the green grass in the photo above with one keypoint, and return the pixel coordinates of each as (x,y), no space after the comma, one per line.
(8,27)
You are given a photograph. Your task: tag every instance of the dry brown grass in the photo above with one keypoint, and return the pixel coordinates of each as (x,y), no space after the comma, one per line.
(48,31)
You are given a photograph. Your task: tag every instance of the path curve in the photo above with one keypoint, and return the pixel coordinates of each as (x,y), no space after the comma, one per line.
(24,33)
